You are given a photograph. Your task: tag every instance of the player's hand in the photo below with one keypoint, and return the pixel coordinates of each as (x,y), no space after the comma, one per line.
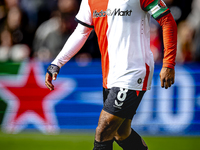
(167,76)
(52,72)
(48,80)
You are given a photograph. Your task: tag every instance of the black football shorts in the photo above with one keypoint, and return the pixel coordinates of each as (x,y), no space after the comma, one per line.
(122,102)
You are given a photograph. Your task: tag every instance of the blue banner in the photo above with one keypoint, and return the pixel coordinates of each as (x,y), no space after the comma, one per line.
(76,101)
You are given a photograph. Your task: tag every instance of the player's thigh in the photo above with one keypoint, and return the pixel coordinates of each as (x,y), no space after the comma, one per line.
(107,126)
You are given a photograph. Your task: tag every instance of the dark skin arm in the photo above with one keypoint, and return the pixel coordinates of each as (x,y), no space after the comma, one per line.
(167,76)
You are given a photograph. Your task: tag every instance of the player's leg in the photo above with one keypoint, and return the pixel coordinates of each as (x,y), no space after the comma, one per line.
(128,139)
(124,130)
(119,103)
(107,127)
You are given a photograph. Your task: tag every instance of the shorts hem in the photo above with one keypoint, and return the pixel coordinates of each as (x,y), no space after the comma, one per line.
(118,115)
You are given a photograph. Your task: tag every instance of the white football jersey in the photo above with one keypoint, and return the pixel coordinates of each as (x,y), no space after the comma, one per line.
(123,32)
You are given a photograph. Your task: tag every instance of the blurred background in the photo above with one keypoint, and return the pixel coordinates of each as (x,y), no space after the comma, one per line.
(32,33)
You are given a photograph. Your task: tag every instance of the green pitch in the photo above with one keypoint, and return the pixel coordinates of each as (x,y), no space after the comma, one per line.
(37,141)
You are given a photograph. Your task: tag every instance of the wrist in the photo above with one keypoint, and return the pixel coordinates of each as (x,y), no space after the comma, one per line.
(167,65)
(52,69)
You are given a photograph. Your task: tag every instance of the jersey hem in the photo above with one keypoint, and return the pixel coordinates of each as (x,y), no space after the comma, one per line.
(130,88)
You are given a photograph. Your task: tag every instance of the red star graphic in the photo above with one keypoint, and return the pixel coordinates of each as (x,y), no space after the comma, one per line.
(31,97)
(30,101)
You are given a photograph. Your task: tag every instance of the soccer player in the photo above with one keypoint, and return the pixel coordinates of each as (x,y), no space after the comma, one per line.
(123,31)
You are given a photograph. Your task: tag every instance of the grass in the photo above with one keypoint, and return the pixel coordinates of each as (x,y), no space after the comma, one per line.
(37,141)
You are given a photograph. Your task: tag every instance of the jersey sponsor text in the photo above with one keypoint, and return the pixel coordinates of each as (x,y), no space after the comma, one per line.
(108,12)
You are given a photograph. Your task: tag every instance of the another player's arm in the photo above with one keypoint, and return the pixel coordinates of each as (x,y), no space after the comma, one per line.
(162,15)
(71,47)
